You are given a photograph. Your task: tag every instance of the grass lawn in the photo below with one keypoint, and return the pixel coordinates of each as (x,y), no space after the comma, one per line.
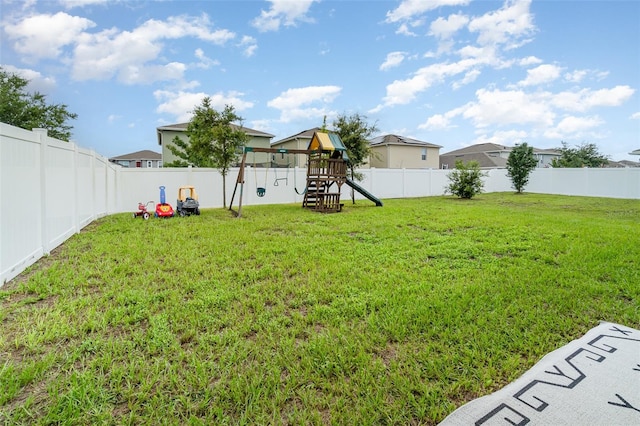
(392,315)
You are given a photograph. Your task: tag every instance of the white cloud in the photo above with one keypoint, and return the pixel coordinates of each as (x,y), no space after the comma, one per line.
(249,45)
(113,118)
(127,54)
(404,91)
(181,104)
(393,60)
(529,60)
(635,116)
(69,4)
(469,77)
(544,73)
(295,103)
(509,26)
(503,108)
(44,36)
(574,127)
(586,99)
(204,61)
(446,28)
(404,30)
(410,8)
(283,12)
(502,137)
(436,122)
(37,82)
(575,76)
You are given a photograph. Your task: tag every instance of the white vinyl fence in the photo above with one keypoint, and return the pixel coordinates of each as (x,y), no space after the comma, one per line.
(50,190)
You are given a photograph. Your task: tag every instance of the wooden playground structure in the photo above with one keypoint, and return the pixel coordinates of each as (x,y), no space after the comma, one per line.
(326,172)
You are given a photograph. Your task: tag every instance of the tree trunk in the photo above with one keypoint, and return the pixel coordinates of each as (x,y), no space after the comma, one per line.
(224,191)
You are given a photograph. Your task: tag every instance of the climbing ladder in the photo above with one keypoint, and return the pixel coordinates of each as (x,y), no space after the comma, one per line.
(325,177)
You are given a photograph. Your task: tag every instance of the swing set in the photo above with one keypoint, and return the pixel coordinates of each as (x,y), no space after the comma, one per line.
(326,173)
(262,190)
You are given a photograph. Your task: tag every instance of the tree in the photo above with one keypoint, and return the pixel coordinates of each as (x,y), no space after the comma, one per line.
(585,155)
(520,164)
(355,133)
(31,110)
(213,141)
(465,180)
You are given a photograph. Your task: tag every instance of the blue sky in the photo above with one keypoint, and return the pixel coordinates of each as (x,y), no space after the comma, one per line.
(450,72)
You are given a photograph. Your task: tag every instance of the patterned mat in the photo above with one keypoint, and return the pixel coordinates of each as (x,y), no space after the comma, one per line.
(594,380)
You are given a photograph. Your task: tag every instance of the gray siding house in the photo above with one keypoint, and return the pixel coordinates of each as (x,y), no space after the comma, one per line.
(145,159)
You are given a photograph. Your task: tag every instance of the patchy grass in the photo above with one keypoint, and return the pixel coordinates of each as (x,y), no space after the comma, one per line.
(393,315)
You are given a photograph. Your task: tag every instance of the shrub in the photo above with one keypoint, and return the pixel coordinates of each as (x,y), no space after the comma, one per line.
(465,180)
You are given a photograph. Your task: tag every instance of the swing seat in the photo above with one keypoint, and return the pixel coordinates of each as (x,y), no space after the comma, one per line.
(260,191)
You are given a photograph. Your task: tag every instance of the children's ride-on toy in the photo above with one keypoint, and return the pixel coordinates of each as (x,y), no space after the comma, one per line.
(187,203)
(142,211)
(163,209)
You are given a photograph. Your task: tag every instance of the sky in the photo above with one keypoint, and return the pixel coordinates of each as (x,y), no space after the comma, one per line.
(449,72)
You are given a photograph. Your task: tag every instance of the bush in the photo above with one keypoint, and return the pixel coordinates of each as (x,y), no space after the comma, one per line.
(465,180)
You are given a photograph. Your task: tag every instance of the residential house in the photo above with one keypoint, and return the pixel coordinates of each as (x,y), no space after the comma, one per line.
(492,156)
(257,139)
(298,141)
(399,152)
(145,159)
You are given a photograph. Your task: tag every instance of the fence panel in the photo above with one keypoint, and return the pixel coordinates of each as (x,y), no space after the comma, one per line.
(21,201)
(59,192)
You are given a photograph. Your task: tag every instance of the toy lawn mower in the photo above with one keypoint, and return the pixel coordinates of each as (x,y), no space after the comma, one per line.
(163,209)
(143,211)
(187,203)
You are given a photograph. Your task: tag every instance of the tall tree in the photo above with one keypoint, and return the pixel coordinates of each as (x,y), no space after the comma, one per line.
(355,132)
(31,110)
(585,155)
(520,164)
(214,141)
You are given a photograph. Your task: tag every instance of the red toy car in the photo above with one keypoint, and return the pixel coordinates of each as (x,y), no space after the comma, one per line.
(163,209)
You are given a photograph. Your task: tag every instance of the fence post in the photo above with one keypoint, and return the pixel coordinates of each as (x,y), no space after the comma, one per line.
(76,213)
(42,138)
(94,214)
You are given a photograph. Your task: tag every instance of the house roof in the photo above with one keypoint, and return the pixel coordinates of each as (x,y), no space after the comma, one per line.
(479,148)
(399,140)
(139,155)
(484,159)
(182,127)
(635,152)
(305,134)
(492,147)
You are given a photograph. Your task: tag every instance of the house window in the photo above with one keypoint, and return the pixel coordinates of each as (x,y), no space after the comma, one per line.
(159,163)
(149,163)
(445,166)
(124,163)
(424,154)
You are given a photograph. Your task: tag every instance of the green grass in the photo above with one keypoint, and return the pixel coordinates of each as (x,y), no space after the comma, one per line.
(393,315)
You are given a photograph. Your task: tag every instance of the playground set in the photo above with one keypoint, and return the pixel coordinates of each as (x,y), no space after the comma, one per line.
(326,173)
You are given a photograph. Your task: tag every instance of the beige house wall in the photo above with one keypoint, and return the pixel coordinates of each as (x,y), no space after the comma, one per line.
(404,157)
